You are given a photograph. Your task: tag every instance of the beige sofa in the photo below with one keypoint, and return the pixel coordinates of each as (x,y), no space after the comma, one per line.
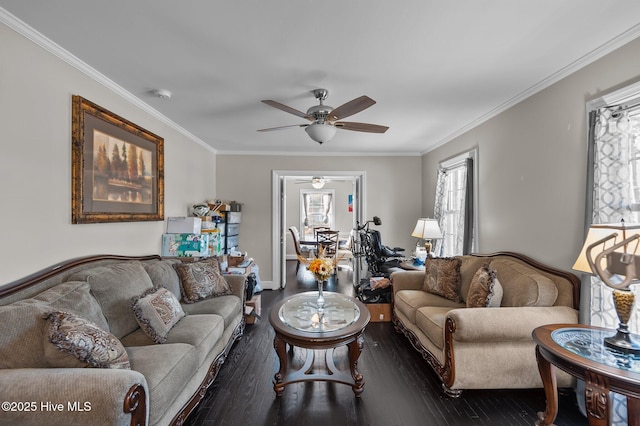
(486,347)
(165,382)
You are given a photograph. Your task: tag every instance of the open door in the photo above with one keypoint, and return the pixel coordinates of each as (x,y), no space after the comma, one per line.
(279,229)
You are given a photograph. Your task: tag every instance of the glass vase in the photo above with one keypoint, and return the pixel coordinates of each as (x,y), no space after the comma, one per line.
(320,300)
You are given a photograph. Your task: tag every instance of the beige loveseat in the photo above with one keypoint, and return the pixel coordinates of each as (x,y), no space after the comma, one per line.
(485,347)
(165,382)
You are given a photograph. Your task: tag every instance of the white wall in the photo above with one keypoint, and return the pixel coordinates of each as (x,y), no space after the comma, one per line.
(393,194)
(532,164)
(35,164)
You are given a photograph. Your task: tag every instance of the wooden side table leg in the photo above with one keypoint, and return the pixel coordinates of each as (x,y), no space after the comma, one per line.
(597,398)
(281,350)
(633,411)
(548,375)
(355,348)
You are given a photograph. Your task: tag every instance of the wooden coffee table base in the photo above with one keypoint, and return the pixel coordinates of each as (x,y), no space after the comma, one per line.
(352,378)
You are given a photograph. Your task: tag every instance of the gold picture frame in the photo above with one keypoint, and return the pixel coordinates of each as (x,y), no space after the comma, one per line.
(106,186)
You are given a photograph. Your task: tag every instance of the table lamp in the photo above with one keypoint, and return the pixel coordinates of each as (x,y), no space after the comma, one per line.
(426,229)
(609,252)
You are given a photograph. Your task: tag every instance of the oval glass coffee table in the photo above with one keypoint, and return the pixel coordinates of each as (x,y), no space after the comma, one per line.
(296,322)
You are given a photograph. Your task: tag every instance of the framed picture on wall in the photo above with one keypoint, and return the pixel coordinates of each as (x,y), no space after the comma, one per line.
(117,168)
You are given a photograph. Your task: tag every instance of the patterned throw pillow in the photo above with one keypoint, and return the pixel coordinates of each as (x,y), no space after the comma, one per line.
(485,289)
(201,280)
(157,311)
(442,277)
(74,335)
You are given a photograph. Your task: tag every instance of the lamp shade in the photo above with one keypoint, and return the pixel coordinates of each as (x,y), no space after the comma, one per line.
(320,132)
(618,232)
(427,229)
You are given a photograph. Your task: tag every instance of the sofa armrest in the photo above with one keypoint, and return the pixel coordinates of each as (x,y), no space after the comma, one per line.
(72,396)
(407,280)
(237,282)
(506,324)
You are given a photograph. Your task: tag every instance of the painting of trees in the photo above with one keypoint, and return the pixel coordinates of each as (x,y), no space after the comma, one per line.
(121,175)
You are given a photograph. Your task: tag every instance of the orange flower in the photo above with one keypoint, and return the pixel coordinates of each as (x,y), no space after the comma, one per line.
(321,267)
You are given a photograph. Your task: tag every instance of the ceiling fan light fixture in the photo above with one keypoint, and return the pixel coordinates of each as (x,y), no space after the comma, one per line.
(320,132)
(317,182)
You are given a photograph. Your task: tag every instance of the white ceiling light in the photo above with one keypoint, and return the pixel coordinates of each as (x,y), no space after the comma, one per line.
(320,132)
(317,182)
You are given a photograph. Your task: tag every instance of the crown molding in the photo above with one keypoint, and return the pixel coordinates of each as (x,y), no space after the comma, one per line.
(323,154)
(624,38)
(58,51)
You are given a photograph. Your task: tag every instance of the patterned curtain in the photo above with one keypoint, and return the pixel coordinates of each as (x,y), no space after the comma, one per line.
(611,149)
(451,204)
(612,140)
(438,210)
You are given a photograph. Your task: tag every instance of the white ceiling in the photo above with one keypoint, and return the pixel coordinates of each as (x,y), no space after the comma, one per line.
(435,68)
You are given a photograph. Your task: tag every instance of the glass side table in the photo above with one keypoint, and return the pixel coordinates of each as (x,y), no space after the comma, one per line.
(296,322)
(579,350)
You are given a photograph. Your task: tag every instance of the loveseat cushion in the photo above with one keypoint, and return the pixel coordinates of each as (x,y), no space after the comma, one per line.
(469,265)
(228,307)
(163,274)
(157,311)
(114,286)
(76,342)
(408,301)
(442,277)
(201,280)
(23,334)
(75,297)
(523,286)
(167,368)
(430,320)
(485,289)
(200,331)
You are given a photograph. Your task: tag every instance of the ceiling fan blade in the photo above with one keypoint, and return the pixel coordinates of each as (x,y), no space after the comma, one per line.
(288,109)
(361,127)
(350,108)
(282,127)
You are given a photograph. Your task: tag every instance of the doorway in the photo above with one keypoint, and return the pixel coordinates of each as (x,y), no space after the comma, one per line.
(281,180)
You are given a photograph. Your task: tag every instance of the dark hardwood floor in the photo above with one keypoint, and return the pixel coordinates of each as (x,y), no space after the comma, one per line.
(400,387)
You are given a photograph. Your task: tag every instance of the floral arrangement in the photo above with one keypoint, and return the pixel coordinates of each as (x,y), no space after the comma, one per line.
(321,267)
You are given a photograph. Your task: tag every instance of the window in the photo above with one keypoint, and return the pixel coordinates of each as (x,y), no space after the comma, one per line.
(316,211)
(455,205)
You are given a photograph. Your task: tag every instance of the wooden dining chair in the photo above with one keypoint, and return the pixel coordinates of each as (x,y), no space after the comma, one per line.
(328,240)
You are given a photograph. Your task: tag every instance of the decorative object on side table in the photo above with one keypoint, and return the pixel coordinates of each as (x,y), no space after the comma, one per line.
(426,229)
(610,253)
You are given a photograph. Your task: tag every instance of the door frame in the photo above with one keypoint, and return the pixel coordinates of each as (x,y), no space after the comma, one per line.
(278,229)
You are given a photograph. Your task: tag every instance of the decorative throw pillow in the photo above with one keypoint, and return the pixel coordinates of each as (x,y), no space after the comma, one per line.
(485,289)
(157,311)
(74,335)
(442,277)
(201,280)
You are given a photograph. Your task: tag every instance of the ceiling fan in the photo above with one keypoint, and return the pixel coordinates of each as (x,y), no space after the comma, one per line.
(324,119)
(318,181)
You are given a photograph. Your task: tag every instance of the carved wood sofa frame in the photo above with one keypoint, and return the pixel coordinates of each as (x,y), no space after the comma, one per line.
(447,372)
(135,400)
